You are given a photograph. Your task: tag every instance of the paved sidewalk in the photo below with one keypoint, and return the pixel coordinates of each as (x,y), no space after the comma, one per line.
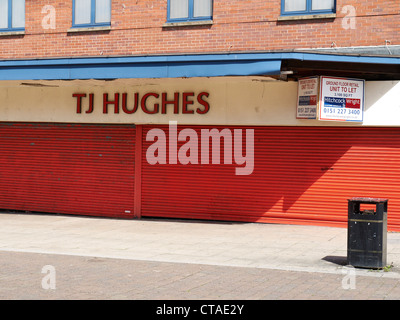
(96,258)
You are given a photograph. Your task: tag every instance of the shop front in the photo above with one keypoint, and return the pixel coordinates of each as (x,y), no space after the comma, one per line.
(218,148)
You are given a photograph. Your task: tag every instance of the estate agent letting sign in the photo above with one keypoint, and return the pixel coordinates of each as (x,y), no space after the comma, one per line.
(307,97)
(341,99)
(337,99)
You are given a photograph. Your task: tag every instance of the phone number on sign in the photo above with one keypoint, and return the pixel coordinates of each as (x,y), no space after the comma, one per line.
(340,111)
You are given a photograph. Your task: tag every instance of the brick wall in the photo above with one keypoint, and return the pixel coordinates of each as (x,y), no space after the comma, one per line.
(238,25)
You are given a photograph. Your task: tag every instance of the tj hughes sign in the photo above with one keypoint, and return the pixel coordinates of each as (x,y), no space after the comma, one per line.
(149,103)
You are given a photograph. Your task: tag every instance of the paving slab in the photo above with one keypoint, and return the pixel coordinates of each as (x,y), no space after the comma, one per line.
(102,258)
(271,246)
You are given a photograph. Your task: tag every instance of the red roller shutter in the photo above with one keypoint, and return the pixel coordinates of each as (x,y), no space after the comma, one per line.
(65,168)
(302,175)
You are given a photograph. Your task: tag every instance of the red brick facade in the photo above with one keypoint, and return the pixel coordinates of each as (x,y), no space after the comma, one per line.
(238,25)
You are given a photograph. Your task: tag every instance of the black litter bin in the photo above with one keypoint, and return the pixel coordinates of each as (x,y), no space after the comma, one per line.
(367,233)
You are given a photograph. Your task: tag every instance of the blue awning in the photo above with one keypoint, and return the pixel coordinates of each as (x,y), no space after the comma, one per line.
(168,66)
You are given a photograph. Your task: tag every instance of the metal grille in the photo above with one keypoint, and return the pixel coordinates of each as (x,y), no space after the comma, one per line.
(64,168)
(302,175)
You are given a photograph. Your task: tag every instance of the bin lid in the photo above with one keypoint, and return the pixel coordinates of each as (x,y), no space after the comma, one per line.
(367,199)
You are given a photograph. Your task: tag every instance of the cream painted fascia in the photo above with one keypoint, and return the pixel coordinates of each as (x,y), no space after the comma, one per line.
(233,101)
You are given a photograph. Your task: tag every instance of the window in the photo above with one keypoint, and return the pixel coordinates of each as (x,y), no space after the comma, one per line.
(189,10)
(12,15)
(295,7)
(91,13)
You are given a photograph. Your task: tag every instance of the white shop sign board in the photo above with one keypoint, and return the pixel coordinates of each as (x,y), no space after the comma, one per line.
(341,99)
(307,98)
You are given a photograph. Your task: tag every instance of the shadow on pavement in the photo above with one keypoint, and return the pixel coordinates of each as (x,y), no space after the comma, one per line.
(339,260)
